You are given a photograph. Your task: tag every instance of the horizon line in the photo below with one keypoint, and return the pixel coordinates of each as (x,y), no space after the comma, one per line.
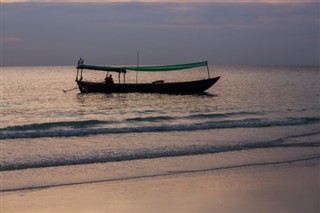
(210,64)
(158,1)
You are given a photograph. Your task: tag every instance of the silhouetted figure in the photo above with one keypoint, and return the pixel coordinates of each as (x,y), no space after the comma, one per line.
(109,79)
(106,79)
(80,62)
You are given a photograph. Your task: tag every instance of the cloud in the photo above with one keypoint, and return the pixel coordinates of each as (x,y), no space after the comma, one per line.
(57,34)
(10,39)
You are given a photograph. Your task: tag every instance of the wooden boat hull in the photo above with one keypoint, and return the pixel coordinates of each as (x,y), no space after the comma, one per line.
(174,87)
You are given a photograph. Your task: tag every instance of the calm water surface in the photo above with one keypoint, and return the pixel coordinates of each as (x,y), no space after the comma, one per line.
(253,115)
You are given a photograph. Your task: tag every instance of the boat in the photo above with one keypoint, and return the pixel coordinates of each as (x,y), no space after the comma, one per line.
(109,86)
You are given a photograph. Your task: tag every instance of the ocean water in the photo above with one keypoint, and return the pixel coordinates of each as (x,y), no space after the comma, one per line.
(253,116)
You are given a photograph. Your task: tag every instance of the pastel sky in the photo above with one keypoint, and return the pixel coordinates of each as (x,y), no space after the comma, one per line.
(222,32)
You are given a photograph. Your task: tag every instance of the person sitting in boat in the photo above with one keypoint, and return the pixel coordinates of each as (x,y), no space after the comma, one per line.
(109,79)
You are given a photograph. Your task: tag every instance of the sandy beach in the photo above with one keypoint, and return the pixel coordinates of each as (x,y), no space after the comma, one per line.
(270,188)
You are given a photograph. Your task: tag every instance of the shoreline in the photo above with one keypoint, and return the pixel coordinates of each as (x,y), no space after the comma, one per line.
(289,187)
(172,173)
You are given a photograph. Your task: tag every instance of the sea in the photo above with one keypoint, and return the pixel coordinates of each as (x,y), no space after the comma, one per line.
(255,115)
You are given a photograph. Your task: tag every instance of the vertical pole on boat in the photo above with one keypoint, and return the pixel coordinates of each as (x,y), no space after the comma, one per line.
(208,70)
(77,74)
(78,69)
(137,67)
(81,63)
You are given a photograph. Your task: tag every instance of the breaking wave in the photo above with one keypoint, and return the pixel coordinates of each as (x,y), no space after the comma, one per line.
(140,125)
(150,153)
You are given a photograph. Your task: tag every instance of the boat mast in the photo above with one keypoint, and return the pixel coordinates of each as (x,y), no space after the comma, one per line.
(137,67)
(208,70)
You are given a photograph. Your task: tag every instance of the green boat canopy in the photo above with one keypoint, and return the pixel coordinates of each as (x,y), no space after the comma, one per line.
(102,68)
(167,67)
(145,68)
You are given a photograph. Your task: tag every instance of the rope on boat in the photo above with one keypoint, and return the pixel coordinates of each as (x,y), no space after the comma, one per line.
(65,91)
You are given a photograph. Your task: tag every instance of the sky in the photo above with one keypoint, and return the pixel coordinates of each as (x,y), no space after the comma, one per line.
(37,33)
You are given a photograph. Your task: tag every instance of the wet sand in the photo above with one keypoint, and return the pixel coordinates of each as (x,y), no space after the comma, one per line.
(272,188)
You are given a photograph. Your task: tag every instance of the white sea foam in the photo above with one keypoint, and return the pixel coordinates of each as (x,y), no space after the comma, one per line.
(91,127)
